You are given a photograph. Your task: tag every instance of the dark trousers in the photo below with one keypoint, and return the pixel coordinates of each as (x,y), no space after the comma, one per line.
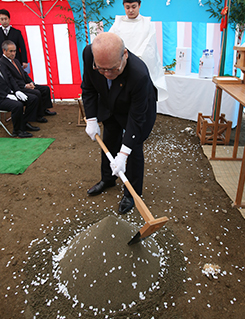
(19,118)
(44,98)
(31,108)
(16,109)
(112,137)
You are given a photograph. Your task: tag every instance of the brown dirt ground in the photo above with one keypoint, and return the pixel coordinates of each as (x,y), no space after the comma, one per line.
(49,200)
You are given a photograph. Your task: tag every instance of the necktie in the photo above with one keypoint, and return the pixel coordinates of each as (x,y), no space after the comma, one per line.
(6,31)
(109,82)
(16,67)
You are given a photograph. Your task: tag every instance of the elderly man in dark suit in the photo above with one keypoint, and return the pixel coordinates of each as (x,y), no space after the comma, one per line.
(25,83)
(13,100)
(117,90)
(7,32)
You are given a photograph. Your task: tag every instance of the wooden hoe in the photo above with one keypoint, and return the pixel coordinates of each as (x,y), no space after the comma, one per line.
(151,224)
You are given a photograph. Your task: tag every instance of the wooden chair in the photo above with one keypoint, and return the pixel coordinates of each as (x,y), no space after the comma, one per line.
(1,123)
(81,112)
(205,129)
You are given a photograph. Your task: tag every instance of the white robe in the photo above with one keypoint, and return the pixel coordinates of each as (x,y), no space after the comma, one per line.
(139,36)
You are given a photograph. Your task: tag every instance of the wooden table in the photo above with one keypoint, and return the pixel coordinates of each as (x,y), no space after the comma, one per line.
(237,91)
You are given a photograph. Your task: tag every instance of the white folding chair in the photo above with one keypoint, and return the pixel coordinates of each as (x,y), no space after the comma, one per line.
(1,123)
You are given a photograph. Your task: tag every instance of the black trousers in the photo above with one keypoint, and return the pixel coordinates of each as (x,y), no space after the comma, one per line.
(16,109)
(112,137)
(19,119)
(44,98)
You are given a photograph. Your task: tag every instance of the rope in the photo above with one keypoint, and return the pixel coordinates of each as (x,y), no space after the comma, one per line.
(85,21)
(48,60)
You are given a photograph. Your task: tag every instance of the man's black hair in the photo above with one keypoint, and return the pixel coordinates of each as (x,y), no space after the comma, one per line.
(5,12)
(130,1)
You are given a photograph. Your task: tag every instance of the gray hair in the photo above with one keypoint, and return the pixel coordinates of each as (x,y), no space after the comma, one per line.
(6,43)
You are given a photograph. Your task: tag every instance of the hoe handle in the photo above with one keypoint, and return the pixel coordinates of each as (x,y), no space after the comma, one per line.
(144,211)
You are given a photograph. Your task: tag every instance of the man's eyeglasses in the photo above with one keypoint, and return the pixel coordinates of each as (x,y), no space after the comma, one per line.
(112,70)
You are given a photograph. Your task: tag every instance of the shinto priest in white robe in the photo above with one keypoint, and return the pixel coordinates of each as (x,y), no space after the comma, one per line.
(139,36)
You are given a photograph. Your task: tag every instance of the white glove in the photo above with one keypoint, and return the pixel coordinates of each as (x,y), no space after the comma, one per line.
(119,164)
(21,96)
(12,97)
(92,128)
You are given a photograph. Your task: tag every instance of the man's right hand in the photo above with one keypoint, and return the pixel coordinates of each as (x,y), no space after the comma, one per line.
(92,128)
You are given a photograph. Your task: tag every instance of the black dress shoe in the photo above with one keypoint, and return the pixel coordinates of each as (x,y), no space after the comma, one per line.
(42,120)
(24,134)
(30,127)
(14,134)
(100,187)
(47,112)
(126,204)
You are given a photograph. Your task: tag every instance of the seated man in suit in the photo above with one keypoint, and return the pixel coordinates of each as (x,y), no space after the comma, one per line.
(13,100)
(25,83)
(7,32)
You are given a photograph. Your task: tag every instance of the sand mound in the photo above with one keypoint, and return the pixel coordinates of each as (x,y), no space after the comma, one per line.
(100,272)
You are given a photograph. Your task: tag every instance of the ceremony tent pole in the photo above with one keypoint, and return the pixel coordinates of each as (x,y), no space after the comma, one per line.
(223,28)
(85,20)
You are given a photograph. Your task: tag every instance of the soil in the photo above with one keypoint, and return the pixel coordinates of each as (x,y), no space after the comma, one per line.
(43,210)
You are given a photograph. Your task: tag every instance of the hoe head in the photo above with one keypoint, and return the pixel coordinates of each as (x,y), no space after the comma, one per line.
(150,227)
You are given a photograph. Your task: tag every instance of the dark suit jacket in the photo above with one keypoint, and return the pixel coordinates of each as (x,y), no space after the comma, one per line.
(21,79)
(131,98)
(15,36)
(7,83)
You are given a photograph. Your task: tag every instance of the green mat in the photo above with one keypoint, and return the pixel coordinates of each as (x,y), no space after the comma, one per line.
(17,154)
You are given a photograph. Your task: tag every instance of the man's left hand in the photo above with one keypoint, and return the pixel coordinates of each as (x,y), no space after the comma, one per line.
(30,85)
(21,96)
(25,65)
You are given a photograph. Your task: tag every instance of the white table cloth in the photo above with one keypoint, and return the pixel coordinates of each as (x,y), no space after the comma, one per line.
(190,95)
